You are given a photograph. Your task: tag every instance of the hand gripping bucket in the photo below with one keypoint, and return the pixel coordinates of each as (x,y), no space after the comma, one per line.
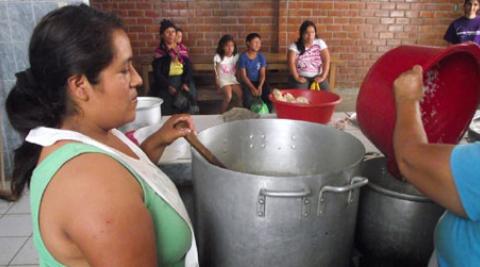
(451,79)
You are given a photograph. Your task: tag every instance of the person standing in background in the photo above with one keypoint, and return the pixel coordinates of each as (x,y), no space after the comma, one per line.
(467,27)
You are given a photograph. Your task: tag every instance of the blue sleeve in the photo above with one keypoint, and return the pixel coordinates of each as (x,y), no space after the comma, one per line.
(465,166)
(242,62)
(451,35)
(263,60)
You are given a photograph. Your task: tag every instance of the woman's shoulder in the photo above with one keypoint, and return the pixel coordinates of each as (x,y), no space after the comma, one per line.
(92,172)
(320,42)
(104,197)
(293,47)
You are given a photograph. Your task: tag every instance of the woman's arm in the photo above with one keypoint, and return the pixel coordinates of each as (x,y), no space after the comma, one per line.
(101,210)
(187,74)
(155,144)
(161,81)
(427,166)
(292,66)
(325,55)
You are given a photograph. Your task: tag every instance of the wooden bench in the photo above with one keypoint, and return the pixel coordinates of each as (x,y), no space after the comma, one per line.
(277,75)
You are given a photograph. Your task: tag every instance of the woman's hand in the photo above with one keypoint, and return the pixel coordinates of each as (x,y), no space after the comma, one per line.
(185,88)
(172,90)
(154,145)
(409,85)
(301,79)
(169,132)
(319,79)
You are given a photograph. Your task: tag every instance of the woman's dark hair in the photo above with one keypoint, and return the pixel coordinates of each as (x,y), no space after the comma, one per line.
(302,30)
(179,29)
(164,25)
(223,42)
(252,36)
(72,40)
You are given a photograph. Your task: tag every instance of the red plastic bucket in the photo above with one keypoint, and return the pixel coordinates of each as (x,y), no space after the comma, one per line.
(320,109)
(452,83)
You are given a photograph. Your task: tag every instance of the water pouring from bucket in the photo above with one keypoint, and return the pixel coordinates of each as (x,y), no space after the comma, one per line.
(451,78)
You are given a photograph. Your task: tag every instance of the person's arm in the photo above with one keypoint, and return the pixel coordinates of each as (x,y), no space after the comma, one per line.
(427,166)
(187,74)
(325,55)
(261,79)
(160,79)
(451,35)
(246,80)
(155,144)
(216,68)
(104,214)
(292,66)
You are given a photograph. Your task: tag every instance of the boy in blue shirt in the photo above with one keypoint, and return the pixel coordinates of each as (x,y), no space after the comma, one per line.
(252,65)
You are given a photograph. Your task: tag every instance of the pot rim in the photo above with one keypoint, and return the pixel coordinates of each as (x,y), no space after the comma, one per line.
(195,154)
(371,184)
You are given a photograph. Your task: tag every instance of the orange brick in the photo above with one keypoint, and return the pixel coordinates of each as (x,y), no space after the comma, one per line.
(358,30)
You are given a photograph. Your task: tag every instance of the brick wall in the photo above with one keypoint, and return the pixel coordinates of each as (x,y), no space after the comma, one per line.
(357,32)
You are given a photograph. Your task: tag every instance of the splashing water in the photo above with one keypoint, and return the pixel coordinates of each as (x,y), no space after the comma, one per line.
(430,89)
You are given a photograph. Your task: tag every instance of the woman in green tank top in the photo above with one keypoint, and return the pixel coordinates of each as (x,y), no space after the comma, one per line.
(96,198)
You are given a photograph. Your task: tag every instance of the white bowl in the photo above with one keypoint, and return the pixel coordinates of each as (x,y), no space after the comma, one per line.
(148,112)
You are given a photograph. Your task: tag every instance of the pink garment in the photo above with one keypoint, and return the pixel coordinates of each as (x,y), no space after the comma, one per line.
(181,52)
(132,138)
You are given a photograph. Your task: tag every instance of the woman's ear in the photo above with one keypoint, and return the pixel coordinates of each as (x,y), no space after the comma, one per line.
(78,86)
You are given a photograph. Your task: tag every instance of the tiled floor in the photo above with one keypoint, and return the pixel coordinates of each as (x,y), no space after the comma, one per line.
(16,246)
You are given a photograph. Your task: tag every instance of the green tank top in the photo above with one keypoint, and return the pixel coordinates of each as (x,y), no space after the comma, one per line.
(173,236)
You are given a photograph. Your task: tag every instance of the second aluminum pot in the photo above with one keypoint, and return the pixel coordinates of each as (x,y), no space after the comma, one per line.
(395,222)
(289,198)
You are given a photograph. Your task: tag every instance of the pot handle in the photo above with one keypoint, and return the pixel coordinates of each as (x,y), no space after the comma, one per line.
(356,182)
(264,193)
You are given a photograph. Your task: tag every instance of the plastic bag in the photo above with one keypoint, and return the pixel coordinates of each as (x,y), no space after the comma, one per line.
(181,101)
(315,86)
(259,107)
(185,102)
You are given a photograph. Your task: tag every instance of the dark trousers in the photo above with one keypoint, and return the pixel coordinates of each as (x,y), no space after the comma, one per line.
(167,107)
(248,97)
(293,84)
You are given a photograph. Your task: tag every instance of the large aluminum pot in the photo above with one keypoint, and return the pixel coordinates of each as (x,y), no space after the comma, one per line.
(148,112)
(288,199)
(395,221)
